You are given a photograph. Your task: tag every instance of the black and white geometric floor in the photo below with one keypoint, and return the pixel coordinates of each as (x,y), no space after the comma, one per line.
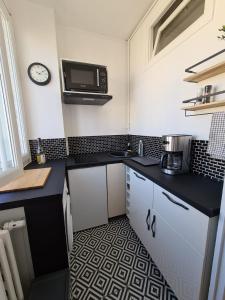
(109,262)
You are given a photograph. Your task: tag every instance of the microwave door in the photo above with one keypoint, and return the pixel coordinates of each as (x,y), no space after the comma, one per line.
(82,78)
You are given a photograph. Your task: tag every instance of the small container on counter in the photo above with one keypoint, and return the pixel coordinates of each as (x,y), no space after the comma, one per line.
(40,155)
(129,149)
(140,148)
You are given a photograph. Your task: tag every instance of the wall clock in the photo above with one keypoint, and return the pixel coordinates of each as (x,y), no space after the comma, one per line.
(39,73)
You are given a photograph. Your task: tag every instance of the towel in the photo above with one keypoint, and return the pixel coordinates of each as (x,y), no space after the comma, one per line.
(216,145)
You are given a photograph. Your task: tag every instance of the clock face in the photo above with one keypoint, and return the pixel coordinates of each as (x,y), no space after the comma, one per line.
(39,74)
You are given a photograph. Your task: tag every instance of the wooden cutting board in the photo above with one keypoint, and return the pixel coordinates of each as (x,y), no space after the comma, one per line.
(31,179)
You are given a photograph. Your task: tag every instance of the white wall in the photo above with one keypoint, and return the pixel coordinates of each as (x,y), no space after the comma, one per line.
(157,90)
(111,118)
(36,42)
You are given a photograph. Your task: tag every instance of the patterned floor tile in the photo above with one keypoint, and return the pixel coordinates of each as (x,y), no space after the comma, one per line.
(116,290)
(110,263)
(108,266)
(122,274)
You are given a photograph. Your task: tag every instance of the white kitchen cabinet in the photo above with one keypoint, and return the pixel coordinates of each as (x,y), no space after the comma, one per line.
(88,192)
(183,245)
(179,238)
(187,221)
(140,210)
(116,190)
(179,263)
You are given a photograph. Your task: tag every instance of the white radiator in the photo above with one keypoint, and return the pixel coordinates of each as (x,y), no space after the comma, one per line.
(10,284)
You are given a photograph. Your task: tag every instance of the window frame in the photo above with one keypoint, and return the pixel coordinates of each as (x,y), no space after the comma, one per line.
(16,85)
(158,11)
(167,22)
(13,97)
(9,174)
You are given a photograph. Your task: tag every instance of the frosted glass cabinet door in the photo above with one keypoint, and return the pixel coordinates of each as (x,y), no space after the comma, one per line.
(88,194)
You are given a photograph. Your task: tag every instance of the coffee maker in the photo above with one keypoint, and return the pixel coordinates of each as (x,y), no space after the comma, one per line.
(176,154)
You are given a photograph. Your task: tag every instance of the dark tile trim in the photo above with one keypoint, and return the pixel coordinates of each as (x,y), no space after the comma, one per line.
(53,148)
(94,144)
(201,162)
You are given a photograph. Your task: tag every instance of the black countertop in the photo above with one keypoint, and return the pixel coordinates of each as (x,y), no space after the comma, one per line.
(54,186)
(200,192)
(91,160)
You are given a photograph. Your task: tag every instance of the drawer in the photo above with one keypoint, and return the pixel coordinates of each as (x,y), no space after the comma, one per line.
(141,190)
(141,185)
(187,221)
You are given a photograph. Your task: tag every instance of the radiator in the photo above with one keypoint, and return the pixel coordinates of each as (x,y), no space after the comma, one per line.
(10,284)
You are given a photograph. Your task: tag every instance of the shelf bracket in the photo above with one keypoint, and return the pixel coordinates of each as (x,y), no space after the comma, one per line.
(188,70)
(194,115)
(200,97)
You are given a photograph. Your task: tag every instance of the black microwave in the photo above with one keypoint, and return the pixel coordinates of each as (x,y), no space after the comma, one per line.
(84,77)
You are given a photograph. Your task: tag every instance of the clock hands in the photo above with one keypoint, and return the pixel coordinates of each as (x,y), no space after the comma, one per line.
(39,74)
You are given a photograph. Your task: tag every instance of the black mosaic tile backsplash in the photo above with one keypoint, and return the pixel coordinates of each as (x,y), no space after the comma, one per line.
(203,164)
(93,144)
(152,144)
(53,148)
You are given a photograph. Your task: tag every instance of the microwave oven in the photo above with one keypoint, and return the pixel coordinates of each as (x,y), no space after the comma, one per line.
(84,77)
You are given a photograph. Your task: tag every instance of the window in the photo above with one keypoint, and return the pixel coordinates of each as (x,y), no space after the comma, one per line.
(177,18)
(13,142)
(16,87)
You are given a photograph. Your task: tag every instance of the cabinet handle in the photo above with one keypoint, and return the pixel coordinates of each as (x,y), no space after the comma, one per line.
(148,219)
(142,178)
(98,83)
(152,226)
(175,202)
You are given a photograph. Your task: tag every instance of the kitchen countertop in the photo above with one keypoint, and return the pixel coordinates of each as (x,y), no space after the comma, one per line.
(54,186)
(200,192)
(91,160)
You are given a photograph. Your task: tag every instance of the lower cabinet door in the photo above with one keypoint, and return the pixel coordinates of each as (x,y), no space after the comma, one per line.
(116,190)
(180,264)
(88,193)
(140,211)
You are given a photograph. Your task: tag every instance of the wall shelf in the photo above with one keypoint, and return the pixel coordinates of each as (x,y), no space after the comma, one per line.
(204,109)
(207,73)
(204,106)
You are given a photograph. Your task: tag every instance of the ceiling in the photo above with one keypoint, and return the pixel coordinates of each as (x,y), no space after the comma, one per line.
(117,18)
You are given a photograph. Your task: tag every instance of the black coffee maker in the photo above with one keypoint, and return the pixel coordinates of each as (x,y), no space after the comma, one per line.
(176,154)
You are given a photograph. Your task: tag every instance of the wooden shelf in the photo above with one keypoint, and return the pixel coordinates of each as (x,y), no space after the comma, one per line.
(207,73)
(196,107)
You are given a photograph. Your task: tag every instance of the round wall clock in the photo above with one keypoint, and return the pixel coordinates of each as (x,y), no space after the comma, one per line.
(39,73)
